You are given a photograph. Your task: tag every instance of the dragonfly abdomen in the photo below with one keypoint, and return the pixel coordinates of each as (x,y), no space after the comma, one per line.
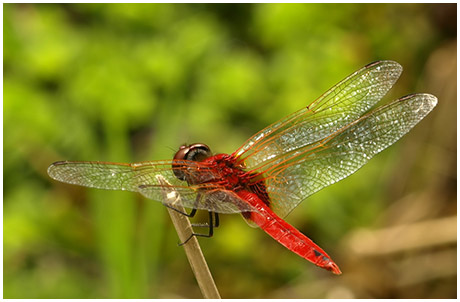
(286,234)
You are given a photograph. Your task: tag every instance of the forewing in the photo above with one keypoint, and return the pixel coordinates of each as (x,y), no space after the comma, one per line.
(155,180)
(109,176)
(297,175)
(339,106)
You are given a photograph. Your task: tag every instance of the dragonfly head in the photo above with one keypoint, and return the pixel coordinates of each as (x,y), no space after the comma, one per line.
(193,152)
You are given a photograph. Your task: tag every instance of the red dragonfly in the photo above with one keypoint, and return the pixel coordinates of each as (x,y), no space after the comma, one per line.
(278,167)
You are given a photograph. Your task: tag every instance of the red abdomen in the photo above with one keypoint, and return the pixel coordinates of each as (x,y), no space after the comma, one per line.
(286,234)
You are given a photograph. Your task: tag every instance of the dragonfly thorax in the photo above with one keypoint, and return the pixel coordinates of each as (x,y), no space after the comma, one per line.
(232,176)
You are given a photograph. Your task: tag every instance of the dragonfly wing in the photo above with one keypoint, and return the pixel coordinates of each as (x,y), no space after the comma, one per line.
(207,197)
(109,176)
(298,174)
(339,106)
(155,180)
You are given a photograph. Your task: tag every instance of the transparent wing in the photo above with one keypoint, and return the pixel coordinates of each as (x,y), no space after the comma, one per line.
(339,106)
(302,172)
(210,197)
(155,180)
(109,176)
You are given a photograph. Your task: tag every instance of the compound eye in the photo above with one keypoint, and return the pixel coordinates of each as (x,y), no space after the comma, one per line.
(194,152)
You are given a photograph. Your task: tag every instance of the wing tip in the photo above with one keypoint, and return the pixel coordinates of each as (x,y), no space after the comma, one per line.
(385,62)
(59,163)
(51,169)
(427,98)
(432,99)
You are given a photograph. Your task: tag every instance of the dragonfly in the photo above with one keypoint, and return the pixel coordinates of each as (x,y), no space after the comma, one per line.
(278,167)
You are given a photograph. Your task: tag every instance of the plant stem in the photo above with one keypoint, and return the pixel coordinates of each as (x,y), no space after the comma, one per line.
(194,254)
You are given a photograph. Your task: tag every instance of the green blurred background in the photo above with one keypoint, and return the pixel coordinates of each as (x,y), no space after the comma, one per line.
(132,82)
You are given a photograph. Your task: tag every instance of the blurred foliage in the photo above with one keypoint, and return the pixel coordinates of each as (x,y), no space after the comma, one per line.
(131,82)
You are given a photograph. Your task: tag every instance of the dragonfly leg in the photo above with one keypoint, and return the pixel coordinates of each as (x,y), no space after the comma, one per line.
(213,223)
(191,214)
(216,220)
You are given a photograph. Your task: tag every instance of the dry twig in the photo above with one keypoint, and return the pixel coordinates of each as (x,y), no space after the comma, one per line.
(195,255)
(192,248)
